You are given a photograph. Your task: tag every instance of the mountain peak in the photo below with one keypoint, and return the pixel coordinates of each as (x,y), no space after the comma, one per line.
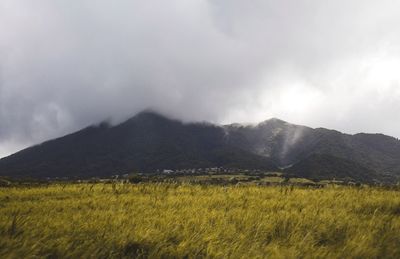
(149,141)
(149,113)
(149,116)
(274,121)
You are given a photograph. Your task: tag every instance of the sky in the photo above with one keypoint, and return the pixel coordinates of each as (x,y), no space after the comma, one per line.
(65,64)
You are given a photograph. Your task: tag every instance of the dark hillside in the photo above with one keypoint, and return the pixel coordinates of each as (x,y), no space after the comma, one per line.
(149,141)
(144,143)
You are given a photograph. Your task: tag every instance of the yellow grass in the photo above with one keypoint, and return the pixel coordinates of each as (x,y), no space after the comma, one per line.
(170,220)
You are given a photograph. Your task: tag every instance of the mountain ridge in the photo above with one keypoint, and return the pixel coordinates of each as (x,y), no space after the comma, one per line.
(149,141)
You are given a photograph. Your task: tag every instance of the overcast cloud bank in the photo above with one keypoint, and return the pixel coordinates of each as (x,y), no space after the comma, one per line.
(67,64)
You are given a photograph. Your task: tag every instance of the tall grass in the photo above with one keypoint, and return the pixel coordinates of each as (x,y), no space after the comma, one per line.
(170,220)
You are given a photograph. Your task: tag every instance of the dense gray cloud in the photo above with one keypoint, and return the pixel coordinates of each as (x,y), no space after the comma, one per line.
(67,64)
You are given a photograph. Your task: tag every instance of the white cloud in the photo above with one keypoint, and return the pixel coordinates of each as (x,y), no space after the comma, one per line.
(64,65)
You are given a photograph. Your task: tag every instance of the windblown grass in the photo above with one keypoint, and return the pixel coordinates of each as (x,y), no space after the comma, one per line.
(170,220)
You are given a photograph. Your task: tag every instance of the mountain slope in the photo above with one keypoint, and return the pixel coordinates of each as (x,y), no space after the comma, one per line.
(323,166)
(145,143)
(150,141)
(288,144)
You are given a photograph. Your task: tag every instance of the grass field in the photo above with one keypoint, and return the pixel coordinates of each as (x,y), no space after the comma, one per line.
(183,220)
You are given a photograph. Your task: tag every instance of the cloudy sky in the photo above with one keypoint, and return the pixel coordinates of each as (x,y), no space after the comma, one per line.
(67,64)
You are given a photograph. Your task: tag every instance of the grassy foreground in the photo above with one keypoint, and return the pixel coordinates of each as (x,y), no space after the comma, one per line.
(170,220)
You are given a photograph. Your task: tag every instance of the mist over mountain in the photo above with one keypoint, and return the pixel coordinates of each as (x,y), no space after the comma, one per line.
(287,144)
(144,143)
(68,64)
(149,141)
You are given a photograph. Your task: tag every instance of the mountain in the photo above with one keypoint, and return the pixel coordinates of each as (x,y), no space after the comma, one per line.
(323,166)
(150,141)
(143,143)
(290,145)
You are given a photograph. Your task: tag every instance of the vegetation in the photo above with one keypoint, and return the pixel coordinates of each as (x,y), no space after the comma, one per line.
(150,143)
(322,166)
(185,220)
(144,143)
